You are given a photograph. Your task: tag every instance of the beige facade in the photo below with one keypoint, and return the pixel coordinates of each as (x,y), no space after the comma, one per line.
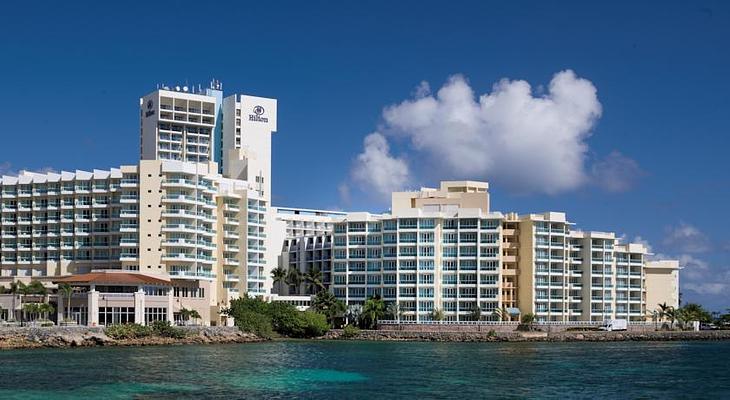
(451,195)
(662,284)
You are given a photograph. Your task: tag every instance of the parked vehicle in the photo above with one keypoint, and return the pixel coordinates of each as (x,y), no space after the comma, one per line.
(704,326)
(614,325)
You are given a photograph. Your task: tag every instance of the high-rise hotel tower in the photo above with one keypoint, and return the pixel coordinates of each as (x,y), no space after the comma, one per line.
(186,227)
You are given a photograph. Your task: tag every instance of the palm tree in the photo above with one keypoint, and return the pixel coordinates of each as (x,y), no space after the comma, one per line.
(654,318)
(45,309)
(278,274)
(393,311)
(671,313)
(476,313)
(188,314)
(294,279)
(329,305)
(438,315)
(67,291)
(354,313)
(373,310)
(37,288)
(695,312)
(502,314)
(184,315)
(527,320)
(663,307)
(314,280)
(195,315)
(31,310)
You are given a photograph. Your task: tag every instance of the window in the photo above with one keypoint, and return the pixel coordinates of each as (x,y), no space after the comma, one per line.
(116,315)
(152,314)
(155,291)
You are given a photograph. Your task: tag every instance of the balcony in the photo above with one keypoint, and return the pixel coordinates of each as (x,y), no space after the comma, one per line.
(179,257)
(231,207)
(178,183)
(186,274)
(125,198)
(178,198)
(128,256)
(128,242)
(179,242)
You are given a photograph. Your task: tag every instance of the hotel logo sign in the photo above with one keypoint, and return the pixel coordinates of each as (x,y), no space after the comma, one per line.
(258,111)
(150,110)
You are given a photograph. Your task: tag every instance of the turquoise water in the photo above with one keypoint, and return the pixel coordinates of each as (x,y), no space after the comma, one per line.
(342,370)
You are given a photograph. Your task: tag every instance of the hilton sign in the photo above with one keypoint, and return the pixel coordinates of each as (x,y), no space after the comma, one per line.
(149,111)
(258,111)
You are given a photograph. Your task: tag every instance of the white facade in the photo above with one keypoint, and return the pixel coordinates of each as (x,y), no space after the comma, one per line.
(248,123)
(177,124)
(423,261)
(307,222)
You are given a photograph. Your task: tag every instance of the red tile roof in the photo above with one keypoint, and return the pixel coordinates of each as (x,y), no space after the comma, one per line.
(122,278)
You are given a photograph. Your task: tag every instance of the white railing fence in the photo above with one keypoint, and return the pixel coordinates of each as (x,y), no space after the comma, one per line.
(508,323)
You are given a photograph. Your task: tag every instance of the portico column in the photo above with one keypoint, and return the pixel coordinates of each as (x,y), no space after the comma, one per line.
(170,315)
(60,309)
(92,298)
(139,306)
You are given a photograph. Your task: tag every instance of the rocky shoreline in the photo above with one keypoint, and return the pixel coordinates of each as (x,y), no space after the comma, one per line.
(577,336)
(61,337)
(66,337)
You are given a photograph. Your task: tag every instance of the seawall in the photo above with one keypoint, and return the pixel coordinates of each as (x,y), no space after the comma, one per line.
(38,337)
(515,336)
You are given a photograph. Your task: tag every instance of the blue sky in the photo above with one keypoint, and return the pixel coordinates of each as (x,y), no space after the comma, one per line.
(73,74)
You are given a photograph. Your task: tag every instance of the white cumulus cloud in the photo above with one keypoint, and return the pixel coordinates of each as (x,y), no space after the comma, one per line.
(687,238)
(683,242)
(524,142)
(616,172)
(376,170)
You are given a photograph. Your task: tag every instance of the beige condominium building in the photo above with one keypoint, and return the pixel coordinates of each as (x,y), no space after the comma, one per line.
(443,249)
(663,279)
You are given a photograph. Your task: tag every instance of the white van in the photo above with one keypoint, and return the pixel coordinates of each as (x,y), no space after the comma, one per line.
(614,325)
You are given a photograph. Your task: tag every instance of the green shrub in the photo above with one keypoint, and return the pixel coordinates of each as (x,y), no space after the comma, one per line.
(165,329)
(127,331)
(350,331)
(315,324)
(256,316)
(256,323)
(286,319)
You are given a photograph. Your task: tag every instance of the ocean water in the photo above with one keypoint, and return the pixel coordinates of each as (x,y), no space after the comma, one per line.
(384,370)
